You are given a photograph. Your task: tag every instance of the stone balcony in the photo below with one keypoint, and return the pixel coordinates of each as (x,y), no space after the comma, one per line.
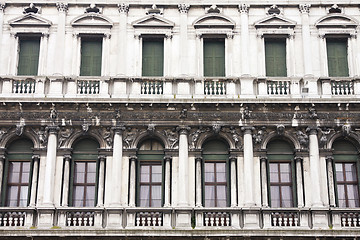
(128,89)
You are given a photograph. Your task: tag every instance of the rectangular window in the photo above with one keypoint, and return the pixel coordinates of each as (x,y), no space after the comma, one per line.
(281,185)
(215,184)
(150,185)
(84,184)
(29,49)
(347,185)
(153,57)
(214,57)
(275,57)
(91,56)
(18,184)
(337,57)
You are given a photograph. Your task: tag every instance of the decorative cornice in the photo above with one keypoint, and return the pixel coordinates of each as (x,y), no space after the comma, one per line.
(123,8)
(183,8)
(62,7)
(243,8)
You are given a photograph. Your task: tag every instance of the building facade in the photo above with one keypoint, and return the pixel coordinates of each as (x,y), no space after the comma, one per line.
(173,120)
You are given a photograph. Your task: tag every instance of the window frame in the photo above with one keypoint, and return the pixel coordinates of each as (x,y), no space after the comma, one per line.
(213,38)
(29,37)
(339,37)
(153,38)
(91,38)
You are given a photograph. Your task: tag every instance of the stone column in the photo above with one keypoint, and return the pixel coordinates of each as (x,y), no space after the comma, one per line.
(198,198)
(50,166)
(66,183)
(34,180)
(116,173)
(314,168)
(167,190)
(244,15)
(132,185)
(330,175)
(299,181)
(2,160)
(233,181)
(305,25)
(101,186)
(62,7)
(183,166)
(264,182)
(248,167)
(122,37)
(183,54)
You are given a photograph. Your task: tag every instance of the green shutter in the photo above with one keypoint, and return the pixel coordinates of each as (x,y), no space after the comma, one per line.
(337,57)
(29,56)
(214,57)
(91,55)
(275,57)
(152,57)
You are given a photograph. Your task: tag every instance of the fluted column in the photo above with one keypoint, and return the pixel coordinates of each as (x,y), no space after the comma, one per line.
(314,168)
(183,54)
(62,8)
(116,173)
(264,182)
(50,166)
(233,187)
(132,185)
(244,16)
(183,188)
(66,181)
(198,196)
(34,180)
(330,175)
(101,186)
(299,181)
(167,190)
(122,37)
(248,167)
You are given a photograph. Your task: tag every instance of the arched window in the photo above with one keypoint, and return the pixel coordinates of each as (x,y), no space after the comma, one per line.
(281,174)
(84,174)
(346,174)
(18,174)
(150,174)
(216,174)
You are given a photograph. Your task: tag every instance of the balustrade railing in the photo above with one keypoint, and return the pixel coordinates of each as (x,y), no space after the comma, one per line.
(88,87)
(149,219)
(24,86)
(278,87)
(80,219)
(152,87)
(285,219)
(219,219)
(12,219)
(350,219)
(342,88)
(214,87)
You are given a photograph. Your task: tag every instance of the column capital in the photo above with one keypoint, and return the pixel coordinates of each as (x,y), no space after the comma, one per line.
(2,7)
(232,158)
(167,158)
(102,157)
(52,129)
(184,8)
(247,130)
(329,158)
(62,7)
(123,8)
(263,158)
(304,8)
(133,158)
(298,158)
(118,129)
(35,157)
(312,130)
(183,130)
(243,8)
(198,159)
(67,157)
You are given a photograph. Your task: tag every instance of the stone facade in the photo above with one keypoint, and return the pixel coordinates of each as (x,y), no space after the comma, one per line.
(182,109)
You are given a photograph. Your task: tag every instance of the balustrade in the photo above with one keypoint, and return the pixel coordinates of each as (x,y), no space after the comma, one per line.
(149,219)
(88,87)
(24,86)
(12,219)
(152,87)
(350,219)
(78,219)
(285,219)
(219,219)
(214,87)
(342,88)
(278,87)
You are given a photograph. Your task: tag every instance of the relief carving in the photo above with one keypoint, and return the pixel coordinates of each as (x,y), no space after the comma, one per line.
(173,137)
(64,135)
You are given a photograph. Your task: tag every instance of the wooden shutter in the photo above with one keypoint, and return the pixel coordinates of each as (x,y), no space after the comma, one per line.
(91,55)
(29,56)
(214,57)
(275,57)
(337,57)
(153,57)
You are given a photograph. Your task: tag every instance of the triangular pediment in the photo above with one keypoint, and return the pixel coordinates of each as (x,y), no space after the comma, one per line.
(214,20)
(275,21)
(153,21)
(91,20)
(336,20)
(30,20)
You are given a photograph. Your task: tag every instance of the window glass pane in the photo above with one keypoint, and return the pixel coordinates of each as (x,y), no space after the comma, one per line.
(144,196)
(12,195)
(339,172)
(209,172)
(353,195)
(90,193)
(274,172)
(285,172)
(221,196)
(145,173)
(14,172)
(286,196)
(78,196)
(341,195)
(79,172)
(29,56)
(156,173)
(350,169)
(23,196)
(221,172)
(275,196)
(209,196)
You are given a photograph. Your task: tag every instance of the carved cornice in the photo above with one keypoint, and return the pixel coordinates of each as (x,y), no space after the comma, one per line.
(123,8)
(184,8)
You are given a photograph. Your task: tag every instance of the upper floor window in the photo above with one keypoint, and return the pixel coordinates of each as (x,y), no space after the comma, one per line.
(83,177)
(150,174)
(337,56)
(214,57)
(91,56)
(216,174)
(275,57)
(153,57)
(346,174)
(28,63)
(281,180)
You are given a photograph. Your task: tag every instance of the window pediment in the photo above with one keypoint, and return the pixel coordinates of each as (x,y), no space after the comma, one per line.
(214,20)
(92,20)
(275,21)
(336,20)
(30,20)
(153,21)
